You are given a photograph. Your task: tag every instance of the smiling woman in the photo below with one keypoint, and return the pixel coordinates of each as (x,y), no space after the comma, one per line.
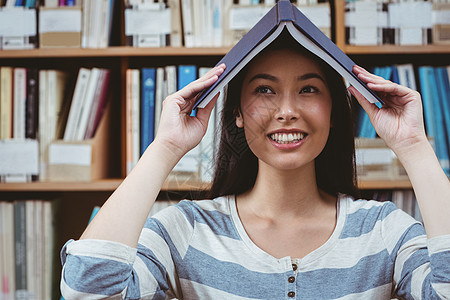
(283,222)
(260,93)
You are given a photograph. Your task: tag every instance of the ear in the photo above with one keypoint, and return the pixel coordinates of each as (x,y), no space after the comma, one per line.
(239,119)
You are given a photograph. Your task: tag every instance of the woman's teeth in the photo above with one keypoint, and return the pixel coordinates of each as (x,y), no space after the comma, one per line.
(285,138)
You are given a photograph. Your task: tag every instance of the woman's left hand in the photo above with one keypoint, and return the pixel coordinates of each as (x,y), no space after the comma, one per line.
(399,122)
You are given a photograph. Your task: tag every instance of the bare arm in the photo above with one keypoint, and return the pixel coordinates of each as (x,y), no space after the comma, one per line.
(123,215)
(400,124)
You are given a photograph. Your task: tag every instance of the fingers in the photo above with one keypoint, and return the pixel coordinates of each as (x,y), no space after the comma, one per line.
(379,84)
(203,114)
(370,108)
(192,89)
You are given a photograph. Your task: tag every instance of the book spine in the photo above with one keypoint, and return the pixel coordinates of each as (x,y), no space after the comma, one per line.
(99,106)
(87,104)
(77,103)
(43,125)
(20,250)
(441,138)
(147,107)
(20,90)
(159,95)
(32,104)
(6,83)
(135,115)
(128,122)
(188,23)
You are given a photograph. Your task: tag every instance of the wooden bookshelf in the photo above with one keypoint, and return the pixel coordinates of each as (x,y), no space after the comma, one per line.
(119,51)
(109,185)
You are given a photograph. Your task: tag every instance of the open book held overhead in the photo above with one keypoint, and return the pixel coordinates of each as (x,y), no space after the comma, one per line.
(284,15)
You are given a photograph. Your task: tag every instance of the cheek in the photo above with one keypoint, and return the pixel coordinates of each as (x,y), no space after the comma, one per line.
(257,112)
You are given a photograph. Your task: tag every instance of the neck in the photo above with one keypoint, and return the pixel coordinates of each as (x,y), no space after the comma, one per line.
(285,192)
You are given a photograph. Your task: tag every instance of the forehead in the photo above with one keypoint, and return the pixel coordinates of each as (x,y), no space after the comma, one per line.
(281,61)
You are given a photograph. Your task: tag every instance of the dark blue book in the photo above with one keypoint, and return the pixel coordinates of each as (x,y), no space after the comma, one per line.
(147,107)
(285,15)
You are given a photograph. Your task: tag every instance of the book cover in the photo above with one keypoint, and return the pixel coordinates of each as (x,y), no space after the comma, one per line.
(88,100)
(285,15)
(147,107)
(441,107)
(77,103)
(160,94)
(6,102)
(19,99)
(31,117)
(20,248)
(98,104)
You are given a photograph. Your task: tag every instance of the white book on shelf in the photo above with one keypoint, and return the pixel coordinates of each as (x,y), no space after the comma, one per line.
(31,247)
(48,245)
(104,23)
(135,118)
(217,23)
(188,23)
(159,95)
(44,139)
(171,80)
(8,276)
(406,75)
(77,102)
(86,8)
(176,26)
(87,104)
(20,95)
(38,253)
(56,88)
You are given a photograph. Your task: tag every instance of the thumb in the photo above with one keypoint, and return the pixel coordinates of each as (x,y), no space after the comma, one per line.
(203,114)
(370,108)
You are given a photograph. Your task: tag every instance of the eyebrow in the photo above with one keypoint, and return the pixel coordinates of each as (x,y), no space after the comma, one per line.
(275,79)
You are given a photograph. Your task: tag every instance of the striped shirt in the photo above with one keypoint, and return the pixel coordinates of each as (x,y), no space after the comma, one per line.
(200,250)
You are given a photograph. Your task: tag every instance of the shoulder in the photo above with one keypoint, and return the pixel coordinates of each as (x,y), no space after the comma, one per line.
(384,218)
(191,211)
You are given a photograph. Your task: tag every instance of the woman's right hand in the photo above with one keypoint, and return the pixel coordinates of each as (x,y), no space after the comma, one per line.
(178,130)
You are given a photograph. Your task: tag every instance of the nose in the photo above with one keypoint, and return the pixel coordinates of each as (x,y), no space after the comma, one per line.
(287,111)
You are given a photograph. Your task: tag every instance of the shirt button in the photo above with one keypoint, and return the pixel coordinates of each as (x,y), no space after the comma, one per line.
(291,294)
(291,279)
(294,267)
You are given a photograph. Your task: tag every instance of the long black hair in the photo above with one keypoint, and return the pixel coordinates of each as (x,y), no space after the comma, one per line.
(236,166)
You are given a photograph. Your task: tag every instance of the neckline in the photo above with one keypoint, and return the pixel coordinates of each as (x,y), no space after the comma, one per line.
(341,204)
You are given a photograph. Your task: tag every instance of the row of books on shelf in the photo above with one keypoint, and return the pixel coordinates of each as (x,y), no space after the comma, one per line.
(434,85)
(56,23)
(146,89)
(27,247)
(39,107)
(205,23)
(148,23)
(409,22)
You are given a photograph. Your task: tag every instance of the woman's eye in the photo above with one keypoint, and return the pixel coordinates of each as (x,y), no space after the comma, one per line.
(308,89)
(264,90)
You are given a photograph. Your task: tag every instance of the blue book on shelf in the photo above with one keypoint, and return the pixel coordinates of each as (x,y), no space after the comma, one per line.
(394,76)
(426,75)
(18,3)
(186,74)
(443,89)
(147,107)
(93,213)
(284,16)
(30,3)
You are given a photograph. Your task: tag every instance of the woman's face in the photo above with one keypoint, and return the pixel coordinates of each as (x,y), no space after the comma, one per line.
(285,109)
